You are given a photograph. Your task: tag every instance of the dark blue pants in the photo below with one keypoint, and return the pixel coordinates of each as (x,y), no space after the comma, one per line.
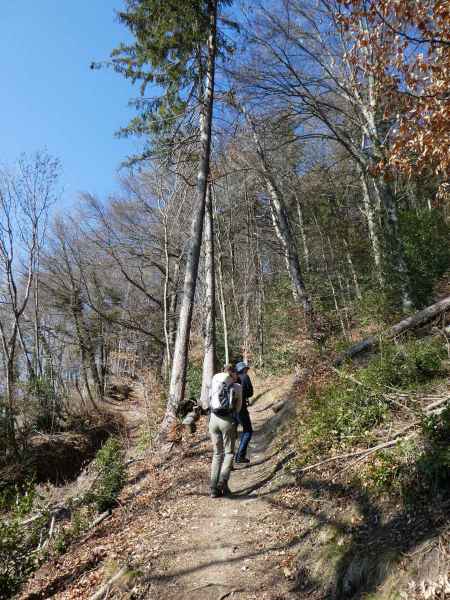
(247,432)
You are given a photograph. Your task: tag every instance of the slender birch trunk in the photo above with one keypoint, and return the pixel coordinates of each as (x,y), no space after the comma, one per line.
(260,310)
(282,229)
(92,361)
(37,324)
(30,368)
(301,226)
(281,224)
(372,227)
(210,354)
(223,309)
(222,303)
(180,358)
(173,303)
(232,253)
(168,357)
(349,259)
(10,391)
(9,354)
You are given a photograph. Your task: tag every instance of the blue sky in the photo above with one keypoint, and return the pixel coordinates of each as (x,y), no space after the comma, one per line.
(51,99)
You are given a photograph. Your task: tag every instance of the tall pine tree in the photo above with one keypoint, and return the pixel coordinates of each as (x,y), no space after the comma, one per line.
(175,49)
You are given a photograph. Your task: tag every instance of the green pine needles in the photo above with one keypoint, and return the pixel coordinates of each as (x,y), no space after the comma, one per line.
(168,55)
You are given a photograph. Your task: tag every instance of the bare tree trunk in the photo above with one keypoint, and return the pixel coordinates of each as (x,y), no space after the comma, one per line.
(281,224)
(210,355)
(260,300)
(37,325)
(84,359)
(302,232)
(330,280)
(222,303)
(10,408)
(394,252)
(232,253)
(352,270)
(104,359)
(9,356)
(179,365)
(30,368)
(173,303)
(282,229)
(223,309)
(92,362)
(372,227)
(168,357)
(249,268)
(335,269)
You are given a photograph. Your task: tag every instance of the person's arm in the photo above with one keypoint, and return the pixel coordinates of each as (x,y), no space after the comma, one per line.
(248,387)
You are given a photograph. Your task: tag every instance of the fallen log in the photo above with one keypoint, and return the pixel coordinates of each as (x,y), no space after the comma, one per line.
(420,318)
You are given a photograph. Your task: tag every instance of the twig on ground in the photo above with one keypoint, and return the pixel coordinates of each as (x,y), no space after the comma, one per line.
(226,594)
(50,533)
(350,465)
(264,408)
(347,376)
(94,523)
(104,590)
(131,461)
(206,585)
(431,407)
(364,452)
(391,399)
(278,406)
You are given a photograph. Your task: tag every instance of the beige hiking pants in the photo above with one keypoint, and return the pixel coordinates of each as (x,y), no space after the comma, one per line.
(223,435)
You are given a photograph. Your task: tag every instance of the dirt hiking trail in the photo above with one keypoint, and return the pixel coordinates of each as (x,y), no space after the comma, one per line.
(175,542)
(224,552)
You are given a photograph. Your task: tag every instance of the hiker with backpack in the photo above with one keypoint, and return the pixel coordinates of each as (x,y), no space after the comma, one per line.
(243,415)
(225,402)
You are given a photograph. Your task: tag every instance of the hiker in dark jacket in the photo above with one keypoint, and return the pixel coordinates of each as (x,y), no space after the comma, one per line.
(243,416)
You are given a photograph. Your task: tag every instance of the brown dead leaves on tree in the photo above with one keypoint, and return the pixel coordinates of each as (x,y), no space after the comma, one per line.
(405,47)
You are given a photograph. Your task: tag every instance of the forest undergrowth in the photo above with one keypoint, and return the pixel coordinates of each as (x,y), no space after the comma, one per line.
(377,514)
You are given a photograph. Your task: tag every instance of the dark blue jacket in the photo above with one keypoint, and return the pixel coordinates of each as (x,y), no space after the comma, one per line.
(247,388)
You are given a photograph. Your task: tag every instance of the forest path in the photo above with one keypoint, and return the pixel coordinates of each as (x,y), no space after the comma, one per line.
(227,550)
(180,544)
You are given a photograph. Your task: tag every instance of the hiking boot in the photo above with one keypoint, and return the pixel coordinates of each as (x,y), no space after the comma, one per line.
(241,460)
(215,492)
(225,489)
